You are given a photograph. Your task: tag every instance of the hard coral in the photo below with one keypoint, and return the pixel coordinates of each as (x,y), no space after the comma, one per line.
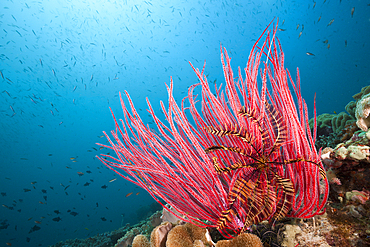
(348,131)
(185,235)
(140,241)
(358,196)
(362,112)
(243,240)
(159,234)
(290,235)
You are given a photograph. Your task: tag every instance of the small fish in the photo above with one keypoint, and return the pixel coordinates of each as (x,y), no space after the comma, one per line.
(330,22)
(282,29)
(26,190)
(8,244)
(137,193)
(325,41)
(1,73)
(37,222)
(129,194)
(352,11)
(319,19)
(112,180)
(34,228)
(80,173)
(57,219)
(73,213)
(328,46)
(300,33)
(104,187)
(310,54)
(101,148)
(72,158)
(297,27)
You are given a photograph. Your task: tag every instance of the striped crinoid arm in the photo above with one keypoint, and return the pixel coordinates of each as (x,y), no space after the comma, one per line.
(257,119)
(250,201)
(233,130)
(278,126)
(285,190)
(239,164)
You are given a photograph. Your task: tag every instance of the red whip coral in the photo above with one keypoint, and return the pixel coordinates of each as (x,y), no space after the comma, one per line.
(248,156)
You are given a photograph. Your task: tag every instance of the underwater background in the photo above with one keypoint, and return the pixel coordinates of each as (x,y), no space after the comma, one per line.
(63,64)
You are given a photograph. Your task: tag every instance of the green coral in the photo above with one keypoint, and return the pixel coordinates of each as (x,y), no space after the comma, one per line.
(323,120)
(364,90)
(339,121)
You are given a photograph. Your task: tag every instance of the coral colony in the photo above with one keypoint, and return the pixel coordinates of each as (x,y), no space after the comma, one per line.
(248,156)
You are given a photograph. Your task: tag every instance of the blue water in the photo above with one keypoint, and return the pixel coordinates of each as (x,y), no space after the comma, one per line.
(63,64)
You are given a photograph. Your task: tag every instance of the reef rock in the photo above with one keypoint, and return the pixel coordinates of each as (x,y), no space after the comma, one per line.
(362,112)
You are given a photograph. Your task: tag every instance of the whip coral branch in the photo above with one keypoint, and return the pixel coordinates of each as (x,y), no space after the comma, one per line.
(248,156)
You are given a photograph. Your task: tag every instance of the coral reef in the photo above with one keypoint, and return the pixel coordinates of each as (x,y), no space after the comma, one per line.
(243,240)
(364,90)
(350,224)
(362,112)
(186,235)
(170,214)
(348,172)
(158,237)
(333,129)
(314,231)
(140,241)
